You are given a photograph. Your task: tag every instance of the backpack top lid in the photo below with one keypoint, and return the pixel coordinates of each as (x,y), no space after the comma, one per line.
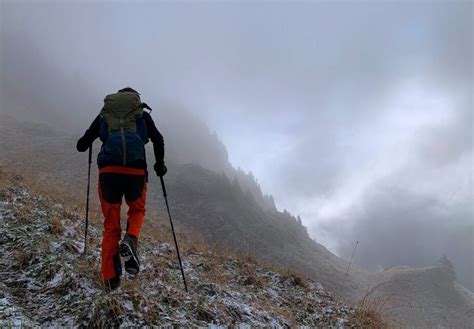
(122,102)
(122,106)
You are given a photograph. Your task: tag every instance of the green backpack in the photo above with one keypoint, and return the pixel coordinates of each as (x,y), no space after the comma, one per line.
(122,130)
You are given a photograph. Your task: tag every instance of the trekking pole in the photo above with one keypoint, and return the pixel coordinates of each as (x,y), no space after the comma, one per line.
(87,202)
(172,229)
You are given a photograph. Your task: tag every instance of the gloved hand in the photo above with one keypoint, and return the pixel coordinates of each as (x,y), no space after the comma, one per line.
(160,169)
(82,145)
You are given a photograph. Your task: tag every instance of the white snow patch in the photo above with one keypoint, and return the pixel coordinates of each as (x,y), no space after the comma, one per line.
(68,230)
(128,305)
(11,315)
(56,280)
(272,293)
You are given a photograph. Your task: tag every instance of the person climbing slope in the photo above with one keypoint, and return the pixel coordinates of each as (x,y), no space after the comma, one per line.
(124,128)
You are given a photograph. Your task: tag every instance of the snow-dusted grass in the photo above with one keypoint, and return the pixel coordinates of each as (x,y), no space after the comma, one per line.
(45,280)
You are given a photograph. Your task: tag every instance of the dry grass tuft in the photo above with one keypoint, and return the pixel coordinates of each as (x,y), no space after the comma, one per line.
(66,284)
(106,313)
(295,278)
(369,319)
(251,277)
(22,259)
(250,258)
(203,314)
(55,226)
(370,309)
(23,216)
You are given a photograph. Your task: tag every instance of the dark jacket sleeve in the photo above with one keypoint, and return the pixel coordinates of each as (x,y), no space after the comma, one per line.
(155,137)
(90,136)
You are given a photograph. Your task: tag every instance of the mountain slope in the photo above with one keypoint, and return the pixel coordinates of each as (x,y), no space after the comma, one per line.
(46,281)
(219,208)
(201,200)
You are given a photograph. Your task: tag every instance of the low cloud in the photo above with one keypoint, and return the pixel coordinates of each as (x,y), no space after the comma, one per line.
(395,226)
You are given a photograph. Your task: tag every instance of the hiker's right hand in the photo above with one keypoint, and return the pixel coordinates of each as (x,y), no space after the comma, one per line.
(160,169)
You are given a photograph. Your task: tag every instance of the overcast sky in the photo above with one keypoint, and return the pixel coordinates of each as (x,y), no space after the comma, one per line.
(356,115)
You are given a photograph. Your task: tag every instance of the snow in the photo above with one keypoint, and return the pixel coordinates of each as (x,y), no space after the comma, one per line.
(58,277)
(10,315)
(272,293)
(128,305)
(3,211)
(60,286)
(69,231)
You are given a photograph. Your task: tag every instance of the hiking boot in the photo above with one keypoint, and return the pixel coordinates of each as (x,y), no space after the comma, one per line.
(112,284)
(129,253)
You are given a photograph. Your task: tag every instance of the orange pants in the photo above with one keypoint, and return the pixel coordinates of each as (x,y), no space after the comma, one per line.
(114,184)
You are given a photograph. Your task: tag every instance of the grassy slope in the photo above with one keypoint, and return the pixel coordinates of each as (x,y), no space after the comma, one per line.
(46,281)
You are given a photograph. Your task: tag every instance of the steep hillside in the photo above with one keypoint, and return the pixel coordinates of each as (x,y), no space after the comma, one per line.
(225,213)
(45,280)
(202,200)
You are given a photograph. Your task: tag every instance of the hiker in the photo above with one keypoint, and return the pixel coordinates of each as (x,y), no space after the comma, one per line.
(124,128)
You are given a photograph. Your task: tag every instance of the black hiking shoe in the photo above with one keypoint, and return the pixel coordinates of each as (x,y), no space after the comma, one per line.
(112,284)
(129,253)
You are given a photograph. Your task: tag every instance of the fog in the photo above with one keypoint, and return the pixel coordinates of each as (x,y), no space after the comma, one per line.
(357,116)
